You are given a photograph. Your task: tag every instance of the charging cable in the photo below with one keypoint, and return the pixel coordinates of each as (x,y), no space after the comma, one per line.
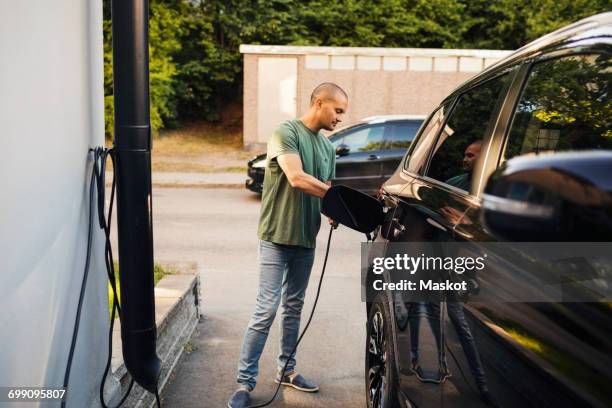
(105,224)
(97,179)
(75,330)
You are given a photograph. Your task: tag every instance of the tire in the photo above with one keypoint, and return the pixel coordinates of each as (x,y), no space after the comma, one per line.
(380,373)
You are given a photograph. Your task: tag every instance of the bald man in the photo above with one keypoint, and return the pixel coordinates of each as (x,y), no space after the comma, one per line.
(300,164)
(470,155)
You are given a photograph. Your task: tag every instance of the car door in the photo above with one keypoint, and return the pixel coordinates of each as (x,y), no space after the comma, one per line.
(434,200)
(552,353)
(407,224)
(358,161)
(398,136)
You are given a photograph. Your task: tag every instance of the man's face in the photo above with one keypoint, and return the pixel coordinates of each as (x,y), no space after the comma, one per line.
(330,110)
(470,156)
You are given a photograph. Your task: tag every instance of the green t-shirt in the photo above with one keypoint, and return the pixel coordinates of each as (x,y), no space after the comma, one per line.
(461,181)
(289,216)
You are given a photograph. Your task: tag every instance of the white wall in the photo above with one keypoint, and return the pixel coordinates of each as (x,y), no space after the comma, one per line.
(277,87)
(51,112)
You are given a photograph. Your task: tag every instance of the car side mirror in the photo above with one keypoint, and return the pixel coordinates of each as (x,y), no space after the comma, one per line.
(557,197)
(342,150)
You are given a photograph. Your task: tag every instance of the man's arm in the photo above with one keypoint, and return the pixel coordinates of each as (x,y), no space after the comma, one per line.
(291,164)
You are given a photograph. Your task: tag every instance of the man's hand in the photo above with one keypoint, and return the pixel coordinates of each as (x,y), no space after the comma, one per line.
(291,164)
(333,223)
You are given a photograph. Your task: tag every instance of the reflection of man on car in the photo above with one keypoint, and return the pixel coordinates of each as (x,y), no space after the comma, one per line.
(453,306)
(463,181)
(471,154)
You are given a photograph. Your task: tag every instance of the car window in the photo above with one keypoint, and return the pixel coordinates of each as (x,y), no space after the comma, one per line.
(565,106)
(399,135)
(364,139)
(417,158)
(336,138)
(459,143)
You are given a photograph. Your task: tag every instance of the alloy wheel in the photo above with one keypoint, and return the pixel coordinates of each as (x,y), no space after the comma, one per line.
(377,361)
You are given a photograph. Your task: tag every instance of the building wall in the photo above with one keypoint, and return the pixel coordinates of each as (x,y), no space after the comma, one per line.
(52,112)
(378,81)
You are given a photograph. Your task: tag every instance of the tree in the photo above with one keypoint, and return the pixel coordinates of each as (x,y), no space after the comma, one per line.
(196,66)
(165,28)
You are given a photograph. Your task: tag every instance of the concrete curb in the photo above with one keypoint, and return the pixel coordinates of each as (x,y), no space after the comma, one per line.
(177,312)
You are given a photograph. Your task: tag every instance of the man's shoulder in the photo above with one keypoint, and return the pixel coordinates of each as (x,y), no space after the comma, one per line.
(284,139)
(459,180)
(289,126)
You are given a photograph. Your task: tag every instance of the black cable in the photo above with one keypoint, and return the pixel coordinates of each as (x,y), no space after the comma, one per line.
(98,174)
(75,330)
(157,398)
(314,306)
(105,224)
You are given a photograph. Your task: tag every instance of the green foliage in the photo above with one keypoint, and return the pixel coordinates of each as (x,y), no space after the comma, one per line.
(109,118)
(386,23)
(495,24)
(544,16)
(569,98)
(196,66)
(159,271)
(165,30)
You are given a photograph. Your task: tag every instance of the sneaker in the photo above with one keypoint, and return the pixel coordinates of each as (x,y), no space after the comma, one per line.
(487,397)
(444,373)
(417,370)
(298,382)
(428,376)
(443,376)
(240,399)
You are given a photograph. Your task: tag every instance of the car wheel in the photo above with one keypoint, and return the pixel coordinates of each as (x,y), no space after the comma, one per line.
(380,373)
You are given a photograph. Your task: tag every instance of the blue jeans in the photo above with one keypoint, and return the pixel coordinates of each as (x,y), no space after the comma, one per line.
(414,312)
(284,271)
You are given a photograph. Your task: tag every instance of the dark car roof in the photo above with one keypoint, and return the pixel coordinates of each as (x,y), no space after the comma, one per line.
(597,26)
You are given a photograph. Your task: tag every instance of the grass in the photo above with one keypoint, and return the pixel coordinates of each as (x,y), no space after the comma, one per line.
(191,167)
(200,147)
(199,138)
(159,271)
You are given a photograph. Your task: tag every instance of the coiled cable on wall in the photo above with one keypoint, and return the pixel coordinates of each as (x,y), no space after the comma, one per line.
(97,181)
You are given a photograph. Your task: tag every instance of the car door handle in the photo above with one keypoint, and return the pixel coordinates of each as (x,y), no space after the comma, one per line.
(373,157)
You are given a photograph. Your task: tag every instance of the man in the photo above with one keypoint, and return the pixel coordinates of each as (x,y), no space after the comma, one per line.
(470,155)
(300,164)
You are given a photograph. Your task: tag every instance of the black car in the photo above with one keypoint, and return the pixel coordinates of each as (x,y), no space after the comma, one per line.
(522,152)
(367,153)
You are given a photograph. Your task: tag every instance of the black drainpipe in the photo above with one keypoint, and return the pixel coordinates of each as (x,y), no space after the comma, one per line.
(130,19)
